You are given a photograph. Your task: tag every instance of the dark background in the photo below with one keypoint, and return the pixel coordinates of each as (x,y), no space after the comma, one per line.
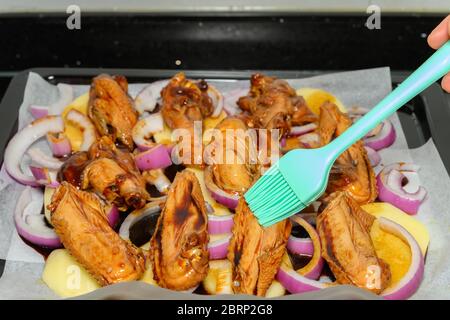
(213,42)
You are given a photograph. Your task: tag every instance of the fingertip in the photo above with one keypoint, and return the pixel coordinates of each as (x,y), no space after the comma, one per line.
(440,34)
(446,83)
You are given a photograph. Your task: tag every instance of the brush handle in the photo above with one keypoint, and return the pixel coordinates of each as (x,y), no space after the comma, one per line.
(429,72)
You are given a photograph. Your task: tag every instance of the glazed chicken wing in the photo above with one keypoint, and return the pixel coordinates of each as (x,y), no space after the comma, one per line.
(352,171)
(274,104)
(232,169)
(113,174)
(255,252)
(347,247)
(111,109)
(179,244)
(183,103)
(81,223)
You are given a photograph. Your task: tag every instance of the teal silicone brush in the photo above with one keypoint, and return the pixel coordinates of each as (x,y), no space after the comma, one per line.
(301,175)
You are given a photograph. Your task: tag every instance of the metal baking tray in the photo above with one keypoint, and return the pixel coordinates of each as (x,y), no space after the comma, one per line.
(426,116)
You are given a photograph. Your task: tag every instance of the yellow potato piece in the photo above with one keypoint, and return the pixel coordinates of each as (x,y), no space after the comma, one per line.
(392,250)
(413,226)
(65,276)
(219,277)
(219,210)
(164,136)
(73,133)
(276,289)
(316,97)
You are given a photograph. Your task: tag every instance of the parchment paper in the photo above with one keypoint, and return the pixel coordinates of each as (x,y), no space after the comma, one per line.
(23,268)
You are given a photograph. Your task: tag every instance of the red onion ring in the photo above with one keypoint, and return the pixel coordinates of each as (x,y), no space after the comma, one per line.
(314,267)
(303,246)
(59,144)
(22,140)
(155,158)
(296,283)
(374,157)
(56,108)
(44,176)
(136,216)
(228,200)
(410,282)
(144,130)
(384,138)
(218,249)
(309,140)
(147,98)
(220,224)
(217,100)
(113,215)
(40,159)
(85,125)
(300,130)
(31,225)
(390,189)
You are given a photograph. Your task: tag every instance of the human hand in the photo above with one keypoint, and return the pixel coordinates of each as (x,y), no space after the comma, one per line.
(436,39)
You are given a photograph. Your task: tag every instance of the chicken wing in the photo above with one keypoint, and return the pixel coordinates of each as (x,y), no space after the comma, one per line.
(183,103)
(113,174)
(111,109)
(344,230)
(80,221)
(274,104)
(255,252)
(179,244)
(352,171)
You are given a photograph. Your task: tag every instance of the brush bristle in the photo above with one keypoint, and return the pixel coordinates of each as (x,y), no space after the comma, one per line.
(271,199)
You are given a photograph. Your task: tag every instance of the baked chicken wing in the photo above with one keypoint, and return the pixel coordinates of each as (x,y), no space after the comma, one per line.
(352,171)
(274,104)
(111,109)
(344,230)
(80,221)
(255,252)
(179,244)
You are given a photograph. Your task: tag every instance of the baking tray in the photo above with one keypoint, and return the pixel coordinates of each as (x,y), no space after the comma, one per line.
(426,116)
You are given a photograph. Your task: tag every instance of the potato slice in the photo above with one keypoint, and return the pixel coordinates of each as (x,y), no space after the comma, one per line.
(73,133)
(316,97)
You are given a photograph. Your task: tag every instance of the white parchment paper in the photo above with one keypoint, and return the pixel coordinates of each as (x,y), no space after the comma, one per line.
(23,268)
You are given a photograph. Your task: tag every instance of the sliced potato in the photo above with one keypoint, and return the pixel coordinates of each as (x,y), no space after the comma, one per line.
(276,289)
(73,133)
(219,277)
(412,225)
(316,97)
(65,276)
(164,136)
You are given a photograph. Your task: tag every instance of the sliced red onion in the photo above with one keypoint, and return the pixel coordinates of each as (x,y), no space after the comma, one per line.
(228,200)
(144,130)
(309,140)
(23,139)
(40,159)
(113,215)
(218,249)
(390,188)
(300,130)
(85,125)
(155,158)
(220,224)
(217,100)
(57,107)
(38,111)
(374,157)
(30,222)
(147,98)
(296,283)
(410,282)
(384,138)
(314,267)
(149,209)
(303,246)
(44,176)
(59,144)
